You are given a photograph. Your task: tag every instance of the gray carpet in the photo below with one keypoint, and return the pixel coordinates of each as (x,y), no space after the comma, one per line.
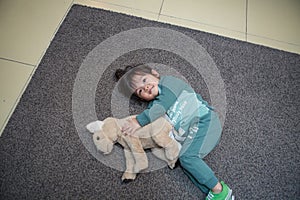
(43,153)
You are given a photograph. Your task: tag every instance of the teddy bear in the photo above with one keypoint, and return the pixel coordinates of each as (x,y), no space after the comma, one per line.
(155,136)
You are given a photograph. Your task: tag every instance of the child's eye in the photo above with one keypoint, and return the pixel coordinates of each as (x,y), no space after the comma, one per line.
(144,80)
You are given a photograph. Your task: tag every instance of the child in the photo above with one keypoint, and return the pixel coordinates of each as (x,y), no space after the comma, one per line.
(196,123)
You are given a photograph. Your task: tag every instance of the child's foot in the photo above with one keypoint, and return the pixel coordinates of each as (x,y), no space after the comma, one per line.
(226,194)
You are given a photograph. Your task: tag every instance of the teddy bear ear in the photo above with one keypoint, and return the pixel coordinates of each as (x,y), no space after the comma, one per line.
(95,126)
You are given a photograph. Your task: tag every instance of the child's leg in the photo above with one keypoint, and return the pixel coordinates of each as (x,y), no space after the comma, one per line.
(205,133)
(213,135)
(195,181)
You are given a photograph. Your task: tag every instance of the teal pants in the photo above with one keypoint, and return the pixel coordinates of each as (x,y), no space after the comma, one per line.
(204,135)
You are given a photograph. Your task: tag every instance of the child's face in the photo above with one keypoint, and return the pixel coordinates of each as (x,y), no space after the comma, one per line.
(147,85)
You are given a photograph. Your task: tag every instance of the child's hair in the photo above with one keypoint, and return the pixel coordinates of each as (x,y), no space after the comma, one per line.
(125,77)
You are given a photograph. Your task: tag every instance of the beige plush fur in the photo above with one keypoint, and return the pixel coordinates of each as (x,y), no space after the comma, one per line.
(154,136)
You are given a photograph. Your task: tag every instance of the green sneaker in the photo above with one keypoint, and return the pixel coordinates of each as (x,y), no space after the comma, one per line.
(224,195)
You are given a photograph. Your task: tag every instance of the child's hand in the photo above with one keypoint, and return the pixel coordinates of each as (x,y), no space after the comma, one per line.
(130,126)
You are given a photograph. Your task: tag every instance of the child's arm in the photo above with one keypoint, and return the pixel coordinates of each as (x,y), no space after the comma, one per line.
(130,126)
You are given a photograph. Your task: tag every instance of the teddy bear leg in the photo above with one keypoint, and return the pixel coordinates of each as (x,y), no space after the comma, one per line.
(141,161)
(172,150)
(160,153)
(129,175)
(171,147)
(138,153)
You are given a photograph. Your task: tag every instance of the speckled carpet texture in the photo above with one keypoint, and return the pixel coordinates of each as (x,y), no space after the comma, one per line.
(46,152)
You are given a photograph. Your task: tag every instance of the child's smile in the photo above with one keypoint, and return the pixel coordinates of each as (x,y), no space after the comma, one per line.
(147,87)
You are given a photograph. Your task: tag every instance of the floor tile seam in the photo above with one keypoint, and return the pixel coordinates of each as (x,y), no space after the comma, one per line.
(202,23)
(161,6)
(246,27)
(54,33)
(17,61)
(33,70)
(227,29)
(159,14)
(272,39)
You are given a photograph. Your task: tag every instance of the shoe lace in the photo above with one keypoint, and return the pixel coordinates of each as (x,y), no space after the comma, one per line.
(210,196)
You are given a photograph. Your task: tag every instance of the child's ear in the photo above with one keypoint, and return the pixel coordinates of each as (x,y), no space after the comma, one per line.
(155,73)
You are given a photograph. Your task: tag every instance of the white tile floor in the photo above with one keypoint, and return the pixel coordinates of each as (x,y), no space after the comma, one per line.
(27,28)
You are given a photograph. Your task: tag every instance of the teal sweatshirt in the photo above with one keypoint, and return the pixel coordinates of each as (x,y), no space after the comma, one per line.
(179,101)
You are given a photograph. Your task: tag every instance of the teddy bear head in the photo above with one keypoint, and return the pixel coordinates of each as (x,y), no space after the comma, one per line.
(105,135)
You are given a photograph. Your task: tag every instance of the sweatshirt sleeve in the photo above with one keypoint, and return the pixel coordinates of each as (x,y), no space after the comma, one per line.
(151,114)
